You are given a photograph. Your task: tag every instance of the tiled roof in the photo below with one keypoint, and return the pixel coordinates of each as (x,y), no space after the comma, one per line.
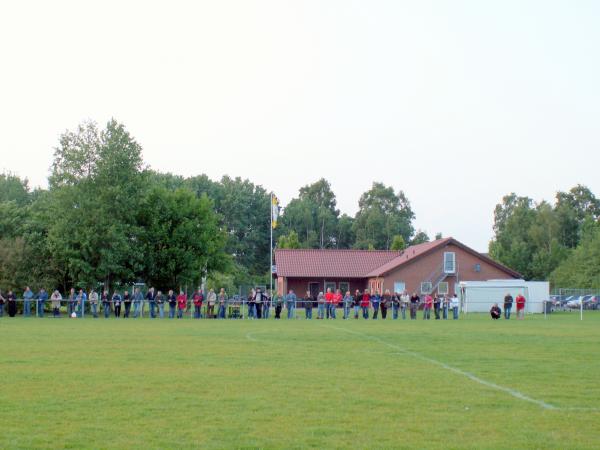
(407,255)
(330,262)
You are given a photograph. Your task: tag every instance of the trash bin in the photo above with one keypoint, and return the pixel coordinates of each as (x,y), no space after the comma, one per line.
(547,307)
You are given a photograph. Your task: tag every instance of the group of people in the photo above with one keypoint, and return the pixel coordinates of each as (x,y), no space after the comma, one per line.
(369,305)
(496,311)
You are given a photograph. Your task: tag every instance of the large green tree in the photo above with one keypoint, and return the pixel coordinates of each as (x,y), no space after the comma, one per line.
(382,215)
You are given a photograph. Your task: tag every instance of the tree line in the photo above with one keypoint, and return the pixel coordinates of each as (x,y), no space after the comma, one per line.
(107,218)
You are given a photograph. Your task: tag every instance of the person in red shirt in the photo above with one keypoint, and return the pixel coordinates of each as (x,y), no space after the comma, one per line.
(198,299)
(520,301)
(427,304)
(328,301)
(181,304)
(337,299)
(365,302)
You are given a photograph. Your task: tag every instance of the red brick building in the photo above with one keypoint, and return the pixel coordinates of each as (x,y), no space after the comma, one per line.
(434,267)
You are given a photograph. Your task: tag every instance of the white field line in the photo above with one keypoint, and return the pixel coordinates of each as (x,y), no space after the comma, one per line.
(470,376)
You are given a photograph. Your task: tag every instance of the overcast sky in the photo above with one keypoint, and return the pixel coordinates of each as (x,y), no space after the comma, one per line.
(455,103)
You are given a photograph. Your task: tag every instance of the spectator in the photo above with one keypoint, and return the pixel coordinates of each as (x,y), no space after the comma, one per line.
(71,302)
(56,298)
(138,298)
(278,300)
(266,311)
(375,301)
(404,302)
(105,304)
(94,303)
(2,301)
(252,304)
(308,305)
(495,311)
(81,299)
(348,301)
(181,304)
(222,299)
(365,303)
(211,300)
(395,305)
(27,296)
(337,299)
(328,302)
(290,303)
(508,302)
(321,306)
(414,305)
(520,301)
(386,301)
(127,303)
(198,298)
(437,301)
(259,301)
(454,304)
(150,296)
(172,299)
(116,301)
(42,298)
(11,302)
(160,302)
(427,305)
(445,306)
(357,299)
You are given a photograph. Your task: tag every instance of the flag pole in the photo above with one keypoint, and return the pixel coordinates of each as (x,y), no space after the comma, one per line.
(271,249)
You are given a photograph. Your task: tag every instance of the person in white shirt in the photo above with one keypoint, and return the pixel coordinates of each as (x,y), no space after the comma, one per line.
(454,304)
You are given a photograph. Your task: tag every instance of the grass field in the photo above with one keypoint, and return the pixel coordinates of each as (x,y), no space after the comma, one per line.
(470,383)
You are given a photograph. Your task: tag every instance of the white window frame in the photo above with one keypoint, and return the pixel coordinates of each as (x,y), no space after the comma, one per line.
(446,254)
(426,291)
(343,291)
(443,283)
(325,283)
(397,283)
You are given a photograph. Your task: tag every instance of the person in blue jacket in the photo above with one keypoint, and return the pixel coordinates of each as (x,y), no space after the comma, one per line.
(42,298)
(375,300)
(27,296)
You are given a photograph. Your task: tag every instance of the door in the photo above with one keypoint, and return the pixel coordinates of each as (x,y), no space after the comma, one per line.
(314,290)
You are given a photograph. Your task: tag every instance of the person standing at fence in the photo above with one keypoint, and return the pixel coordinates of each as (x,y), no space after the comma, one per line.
(454,304)
(105,304)
(211,300)
(437,301)
(386,302)
(138,298)
(520,301)
(414,305)
(259,300)
(266,308)
(321,306)
(172,299)
(356,303)
(160,303)
(375,301)
(348,302)
(404,303)
(42,298)
(222,299)
(252,304)
(181,304)
(395,305)
(365,302)
(150,297)
(11,303)
(116,301)
(508,302)
(55,300)
(71,302)
(328,301)
(337,299)
(278,302)
(127,304)
(94,303)
(290,303)
(81,299)
(198,298)
(427,305)
(445,306)
(2,302)
(308,305)
(27,296)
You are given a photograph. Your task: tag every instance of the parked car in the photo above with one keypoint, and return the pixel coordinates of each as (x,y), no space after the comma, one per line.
(590,302)
(574,302)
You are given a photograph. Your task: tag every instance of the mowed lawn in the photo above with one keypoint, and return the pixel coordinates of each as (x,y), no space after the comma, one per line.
(84,383)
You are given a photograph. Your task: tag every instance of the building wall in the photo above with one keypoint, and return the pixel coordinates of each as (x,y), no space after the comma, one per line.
(301,285)
(418,271)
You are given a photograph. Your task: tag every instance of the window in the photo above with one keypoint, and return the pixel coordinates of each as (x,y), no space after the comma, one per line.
(426,287)
(330,285)
(477,267)
(449,262)
(443,288)
(344,286)
(399,286)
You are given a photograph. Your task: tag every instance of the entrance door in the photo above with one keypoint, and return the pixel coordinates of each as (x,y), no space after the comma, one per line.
(314,290)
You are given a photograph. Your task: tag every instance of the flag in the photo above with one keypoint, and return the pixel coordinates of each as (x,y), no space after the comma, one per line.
(274,211)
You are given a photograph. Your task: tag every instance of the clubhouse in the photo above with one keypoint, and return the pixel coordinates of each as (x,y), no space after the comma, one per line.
(431,267)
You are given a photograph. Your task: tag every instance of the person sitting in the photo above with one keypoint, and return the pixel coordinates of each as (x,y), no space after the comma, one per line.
(495,311)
